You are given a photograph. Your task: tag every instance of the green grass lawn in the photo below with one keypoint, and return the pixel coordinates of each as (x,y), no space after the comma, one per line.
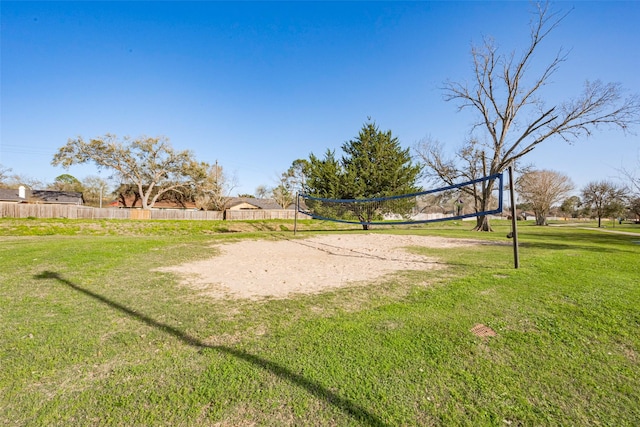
(92,335)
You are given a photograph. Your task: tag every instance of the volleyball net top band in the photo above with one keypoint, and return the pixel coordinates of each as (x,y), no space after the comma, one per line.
(453,202)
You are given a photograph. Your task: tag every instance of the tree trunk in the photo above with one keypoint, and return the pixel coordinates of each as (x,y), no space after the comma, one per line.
(541,219)
(482,221)
(482,224)
(362,219)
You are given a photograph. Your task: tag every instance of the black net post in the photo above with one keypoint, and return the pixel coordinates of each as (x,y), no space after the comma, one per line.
(514,220)
(295,218)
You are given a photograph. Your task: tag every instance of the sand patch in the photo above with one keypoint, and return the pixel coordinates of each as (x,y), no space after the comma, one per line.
(265,268)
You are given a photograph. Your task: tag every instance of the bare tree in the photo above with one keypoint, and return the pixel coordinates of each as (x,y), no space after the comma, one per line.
(283,196)
(289,183)
(16,180)
(634,208)
(214,189)
(629,176)
(151,164)
(604,198)
(95,190)
(4,175)
(284,192)
(262,191)
(469,164)
(542,189)
(296,175)
(513,119)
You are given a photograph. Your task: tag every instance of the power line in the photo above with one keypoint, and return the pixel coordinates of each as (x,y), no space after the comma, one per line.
(21,149)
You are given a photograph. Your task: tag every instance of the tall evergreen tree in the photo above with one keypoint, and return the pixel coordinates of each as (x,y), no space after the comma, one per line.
(373,165)
(324,176)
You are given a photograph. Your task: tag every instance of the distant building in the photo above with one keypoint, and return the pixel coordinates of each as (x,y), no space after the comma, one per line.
(244,203)
(231,203)
(24,195)
(9,195)
(57,197)
(131,201)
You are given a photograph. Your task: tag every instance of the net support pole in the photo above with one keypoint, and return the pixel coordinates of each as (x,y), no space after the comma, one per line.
(514,220)
(295,217)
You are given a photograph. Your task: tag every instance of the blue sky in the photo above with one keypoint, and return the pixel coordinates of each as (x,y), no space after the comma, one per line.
(256,85)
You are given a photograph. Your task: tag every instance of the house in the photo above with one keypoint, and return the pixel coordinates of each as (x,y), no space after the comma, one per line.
(24,195)
(231,203)
(56,197)
(9,195)
(131,201)
(245,203)
(128,197)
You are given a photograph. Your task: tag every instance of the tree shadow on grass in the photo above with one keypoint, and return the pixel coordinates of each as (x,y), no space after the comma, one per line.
(593,242)
(316,389)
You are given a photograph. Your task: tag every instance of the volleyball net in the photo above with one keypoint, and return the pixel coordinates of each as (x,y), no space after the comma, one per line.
(454,202)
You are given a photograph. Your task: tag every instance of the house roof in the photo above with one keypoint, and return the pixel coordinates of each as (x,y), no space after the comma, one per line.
(231,202)
(258,203)
(54,196)
(42,196)
(160,204)
(10,195)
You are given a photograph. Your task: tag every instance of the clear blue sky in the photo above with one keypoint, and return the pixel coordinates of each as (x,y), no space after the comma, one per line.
(256,85)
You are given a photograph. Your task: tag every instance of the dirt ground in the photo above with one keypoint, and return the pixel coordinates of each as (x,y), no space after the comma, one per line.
(257,269)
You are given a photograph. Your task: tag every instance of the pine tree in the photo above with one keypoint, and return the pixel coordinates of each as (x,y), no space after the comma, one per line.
(373,165)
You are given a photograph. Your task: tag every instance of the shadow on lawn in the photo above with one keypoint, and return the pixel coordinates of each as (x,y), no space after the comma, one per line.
(316,389)
(593,242)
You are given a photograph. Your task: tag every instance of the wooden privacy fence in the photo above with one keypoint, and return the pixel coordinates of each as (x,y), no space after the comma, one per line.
(250,214)
(15,210)
(182,214)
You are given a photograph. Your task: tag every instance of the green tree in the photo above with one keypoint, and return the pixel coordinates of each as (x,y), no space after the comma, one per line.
(604,198)
(150,164)
(570,206)
(66,182)
(373,165)
(324,176)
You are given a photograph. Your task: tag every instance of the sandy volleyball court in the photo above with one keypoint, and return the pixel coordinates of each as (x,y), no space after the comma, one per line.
(266,268)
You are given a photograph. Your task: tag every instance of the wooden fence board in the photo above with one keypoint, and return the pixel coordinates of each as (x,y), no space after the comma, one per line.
(23,210)
(262,214)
